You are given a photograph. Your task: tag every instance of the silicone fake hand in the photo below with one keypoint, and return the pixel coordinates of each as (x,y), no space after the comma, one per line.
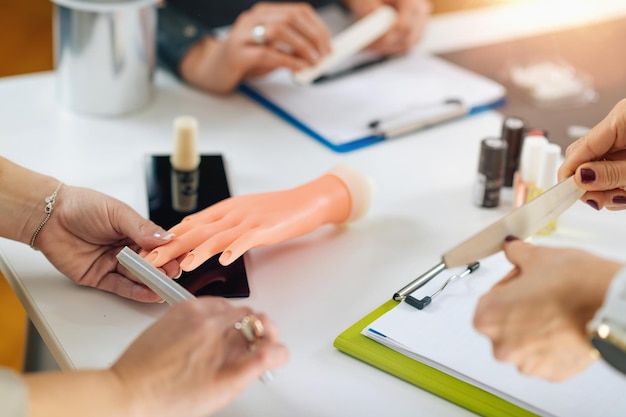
(237,224)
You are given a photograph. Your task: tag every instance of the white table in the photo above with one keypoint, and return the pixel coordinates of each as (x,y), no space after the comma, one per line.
(313,287)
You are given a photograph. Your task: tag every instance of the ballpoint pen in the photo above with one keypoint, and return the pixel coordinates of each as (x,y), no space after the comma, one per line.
(172,292)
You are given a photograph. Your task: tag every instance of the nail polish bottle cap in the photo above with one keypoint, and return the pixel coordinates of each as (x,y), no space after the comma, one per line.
(185,156)
(548,167)
(531,152)
(492,158)
(513,134)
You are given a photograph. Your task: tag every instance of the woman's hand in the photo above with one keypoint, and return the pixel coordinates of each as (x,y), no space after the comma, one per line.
(295,38)
(193,361)
(536,316)
(408,28)
(598,161)
(85,232)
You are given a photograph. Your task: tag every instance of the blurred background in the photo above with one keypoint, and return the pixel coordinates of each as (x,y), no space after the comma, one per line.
(26,31)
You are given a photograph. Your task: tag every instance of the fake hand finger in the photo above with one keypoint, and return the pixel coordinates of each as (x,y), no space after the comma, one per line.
(239,247)
(210,247)
(210,214)
(182,244)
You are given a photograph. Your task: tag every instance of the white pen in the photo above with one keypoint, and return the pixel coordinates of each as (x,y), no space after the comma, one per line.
(172,292)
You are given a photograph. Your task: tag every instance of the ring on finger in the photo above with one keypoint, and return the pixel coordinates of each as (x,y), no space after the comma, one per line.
(251,328)
(259,34)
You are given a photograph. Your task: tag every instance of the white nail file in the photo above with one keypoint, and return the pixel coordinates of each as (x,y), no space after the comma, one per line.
(350,41)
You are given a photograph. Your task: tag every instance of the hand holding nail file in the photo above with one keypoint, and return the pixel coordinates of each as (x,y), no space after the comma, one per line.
(351,41)
(521,223)
(167,288)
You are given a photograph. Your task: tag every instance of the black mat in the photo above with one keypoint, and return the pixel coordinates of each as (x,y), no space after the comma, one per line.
(211,278)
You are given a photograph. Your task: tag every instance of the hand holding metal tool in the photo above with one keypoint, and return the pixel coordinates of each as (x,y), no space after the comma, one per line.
(521,223)
(251,327)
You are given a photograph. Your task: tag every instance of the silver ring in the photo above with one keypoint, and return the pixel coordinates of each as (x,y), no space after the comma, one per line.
(258,34)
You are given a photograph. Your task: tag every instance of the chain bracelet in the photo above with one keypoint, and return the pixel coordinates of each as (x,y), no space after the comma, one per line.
(50,200)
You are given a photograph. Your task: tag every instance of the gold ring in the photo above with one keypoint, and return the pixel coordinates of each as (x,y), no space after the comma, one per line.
(251,328)
(595,354)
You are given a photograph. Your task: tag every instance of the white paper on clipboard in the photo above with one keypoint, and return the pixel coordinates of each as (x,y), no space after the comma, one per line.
(341,110)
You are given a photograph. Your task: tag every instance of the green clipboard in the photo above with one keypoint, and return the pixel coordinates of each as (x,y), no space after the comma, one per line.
(466,395)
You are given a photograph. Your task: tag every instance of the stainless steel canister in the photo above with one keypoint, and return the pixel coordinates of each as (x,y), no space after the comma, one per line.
(105,54)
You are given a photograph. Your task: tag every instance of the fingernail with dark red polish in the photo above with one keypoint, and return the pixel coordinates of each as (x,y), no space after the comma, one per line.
(587,175)
(593,204)
(619,199)
(510,238)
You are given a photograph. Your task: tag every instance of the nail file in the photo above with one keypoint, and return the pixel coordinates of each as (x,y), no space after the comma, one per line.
(168,289)
(521,223)
(350,41)
(172,292)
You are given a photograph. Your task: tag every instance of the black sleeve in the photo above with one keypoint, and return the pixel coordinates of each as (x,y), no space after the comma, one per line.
(176,34)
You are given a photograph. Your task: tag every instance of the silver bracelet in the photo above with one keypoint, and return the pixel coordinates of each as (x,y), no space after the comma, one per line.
(50,200)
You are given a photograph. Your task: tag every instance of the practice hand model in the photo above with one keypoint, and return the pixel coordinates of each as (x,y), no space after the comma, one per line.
(237,224)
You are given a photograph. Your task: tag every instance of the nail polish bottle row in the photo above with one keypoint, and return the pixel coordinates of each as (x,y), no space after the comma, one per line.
(539,163)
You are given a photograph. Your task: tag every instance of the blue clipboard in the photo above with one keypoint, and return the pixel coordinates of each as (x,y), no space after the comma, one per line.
(341,127)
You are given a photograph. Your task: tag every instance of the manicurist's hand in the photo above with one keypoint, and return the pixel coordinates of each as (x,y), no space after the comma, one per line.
(294,37)
(536,316)
(598,162)
(191,362)
(84,232)
(408,28)
(87,229)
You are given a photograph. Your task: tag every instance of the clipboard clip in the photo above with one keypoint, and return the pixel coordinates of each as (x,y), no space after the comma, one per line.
(418,117)
(421,303)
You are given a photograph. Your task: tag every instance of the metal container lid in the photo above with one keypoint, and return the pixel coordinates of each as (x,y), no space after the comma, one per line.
(104,5)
